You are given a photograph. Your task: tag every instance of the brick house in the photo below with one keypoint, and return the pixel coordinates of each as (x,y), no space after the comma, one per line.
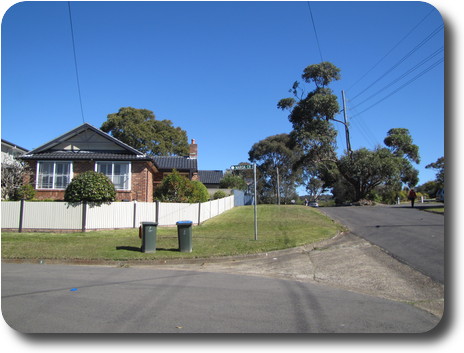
(85,148)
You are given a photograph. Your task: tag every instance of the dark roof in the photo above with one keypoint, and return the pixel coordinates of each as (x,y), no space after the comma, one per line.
(83,155)
(210,176)
(175,162)
(79,129)
(45,152)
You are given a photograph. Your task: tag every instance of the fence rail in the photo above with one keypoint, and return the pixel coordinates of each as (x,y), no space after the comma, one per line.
(24,215)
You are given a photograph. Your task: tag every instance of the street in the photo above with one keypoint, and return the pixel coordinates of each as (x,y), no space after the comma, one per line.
(82,299)
(410,235)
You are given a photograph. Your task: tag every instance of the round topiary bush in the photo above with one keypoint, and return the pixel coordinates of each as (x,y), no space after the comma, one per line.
(90,187)
(219,194)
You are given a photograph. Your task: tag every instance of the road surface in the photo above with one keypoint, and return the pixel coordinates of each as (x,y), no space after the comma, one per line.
(412,236)
(81,299)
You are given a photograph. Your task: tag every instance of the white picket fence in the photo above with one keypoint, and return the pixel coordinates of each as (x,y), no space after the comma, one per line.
(23,215)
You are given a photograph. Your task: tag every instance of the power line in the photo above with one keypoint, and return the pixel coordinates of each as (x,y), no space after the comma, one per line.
(430,36)
(315,32)
(388,53)
(404,85)
(411,70)
(75,61)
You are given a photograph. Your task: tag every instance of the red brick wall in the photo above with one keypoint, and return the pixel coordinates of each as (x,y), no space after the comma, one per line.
(141,188)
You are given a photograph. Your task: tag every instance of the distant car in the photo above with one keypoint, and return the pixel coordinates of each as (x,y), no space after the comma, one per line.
(440,195)
(313,204)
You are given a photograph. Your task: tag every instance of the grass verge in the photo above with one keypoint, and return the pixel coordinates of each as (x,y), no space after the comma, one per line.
(231,233)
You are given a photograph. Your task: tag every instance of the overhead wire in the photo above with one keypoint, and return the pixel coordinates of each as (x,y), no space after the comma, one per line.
(430,36)
(391,50)
(403,86)
(315,31)
(75,61)
(408,72)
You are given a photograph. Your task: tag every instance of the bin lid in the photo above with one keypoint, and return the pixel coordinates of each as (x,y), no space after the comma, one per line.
(184,223)
(149,223)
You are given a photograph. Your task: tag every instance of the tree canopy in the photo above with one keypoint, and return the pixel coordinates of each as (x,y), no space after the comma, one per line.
(272,153)
(313,114)
(139,129)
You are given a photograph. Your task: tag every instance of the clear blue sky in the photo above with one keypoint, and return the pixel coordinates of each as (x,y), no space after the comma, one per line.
(218,69)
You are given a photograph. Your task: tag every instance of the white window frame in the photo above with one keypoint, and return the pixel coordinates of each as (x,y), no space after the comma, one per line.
(37,177)
(111,177)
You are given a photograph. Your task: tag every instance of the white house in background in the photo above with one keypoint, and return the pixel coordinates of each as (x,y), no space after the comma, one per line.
(10,151)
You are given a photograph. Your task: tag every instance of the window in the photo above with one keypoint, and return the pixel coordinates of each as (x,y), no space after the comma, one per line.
(118,172)
(53,175)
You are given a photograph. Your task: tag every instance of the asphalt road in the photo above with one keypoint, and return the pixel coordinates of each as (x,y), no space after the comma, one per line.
(412,236)
(97,299)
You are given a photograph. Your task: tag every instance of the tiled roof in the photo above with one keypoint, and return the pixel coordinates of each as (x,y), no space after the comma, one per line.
(83,155)
(175,162)
(210,176)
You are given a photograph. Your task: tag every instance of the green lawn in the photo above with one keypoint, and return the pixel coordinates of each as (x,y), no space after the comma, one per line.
(231,233)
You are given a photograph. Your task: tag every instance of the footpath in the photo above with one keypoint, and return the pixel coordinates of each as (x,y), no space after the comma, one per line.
(344,261)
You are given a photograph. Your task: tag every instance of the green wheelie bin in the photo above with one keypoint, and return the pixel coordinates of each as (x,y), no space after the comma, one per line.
(149,236)
(184,233)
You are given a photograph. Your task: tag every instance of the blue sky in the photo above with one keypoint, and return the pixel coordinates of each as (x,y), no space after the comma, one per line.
(218,69)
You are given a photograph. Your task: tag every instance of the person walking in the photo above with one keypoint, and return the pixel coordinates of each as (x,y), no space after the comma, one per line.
(412,196)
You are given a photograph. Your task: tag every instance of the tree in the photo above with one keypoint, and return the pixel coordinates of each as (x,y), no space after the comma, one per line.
(230,181)
(177,188)
(312,116)
(14,173)
(440,166)
(272,153)
(92,187)
(366,169)
(139,129)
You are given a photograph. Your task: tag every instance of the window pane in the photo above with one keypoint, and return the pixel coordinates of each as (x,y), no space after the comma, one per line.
(104,168)
(121,176)
(45,177)
(62,175)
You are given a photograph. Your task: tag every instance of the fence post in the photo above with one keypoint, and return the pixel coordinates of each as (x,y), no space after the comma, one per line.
(135,214)
(157,211)
(199,212)
(84,215)
(21,215)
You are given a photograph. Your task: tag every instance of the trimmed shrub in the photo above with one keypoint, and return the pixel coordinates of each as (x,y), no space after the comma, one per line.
(90,187)
(177,188)
(24,192)
(219,195)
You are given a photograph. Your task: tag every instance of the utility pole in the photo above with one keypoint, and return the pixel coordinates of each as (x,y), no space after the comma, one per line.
(347,131)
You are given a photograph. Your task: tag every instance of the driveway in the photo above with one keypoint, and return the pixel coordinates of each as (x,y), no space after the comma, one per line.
(413,236)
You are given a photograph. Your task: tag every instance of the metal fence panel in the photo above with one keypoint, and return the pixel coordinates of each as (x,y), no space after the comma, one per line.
(170,213)
(109,216)
(10,214)
(52,215)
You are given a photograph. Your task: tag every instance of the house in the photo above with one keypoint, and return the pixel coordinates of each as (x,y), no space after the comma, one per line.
(86,148)
(211,178)
(10,151)
(134,174)
(185,165)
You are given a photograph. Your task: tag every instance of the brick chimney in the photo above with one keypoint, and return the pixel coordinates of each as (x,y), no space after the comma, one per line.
(193,150)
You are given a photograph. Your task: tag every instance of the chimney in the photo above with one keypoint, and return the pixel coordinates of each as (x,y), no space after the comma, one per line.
(193,150)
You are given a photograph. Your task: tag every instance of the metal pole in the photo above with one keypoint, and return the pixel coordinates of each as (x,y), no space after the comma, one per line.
(256,201)
(278,187)
(347,132)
